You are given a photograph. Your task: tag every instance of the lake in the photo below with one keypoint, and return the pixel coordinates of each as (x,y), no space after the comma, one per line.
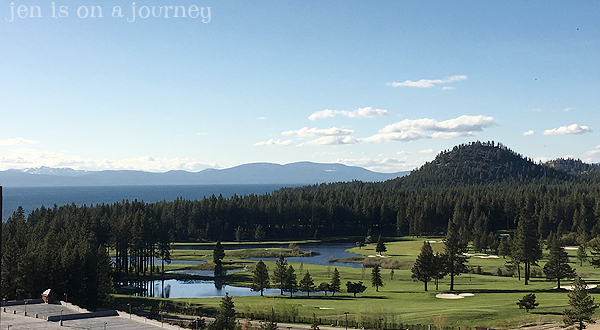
(31,198)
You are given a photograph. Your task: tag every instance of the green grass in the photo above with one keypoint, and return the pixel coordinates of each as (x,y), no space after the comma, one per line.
(403,300)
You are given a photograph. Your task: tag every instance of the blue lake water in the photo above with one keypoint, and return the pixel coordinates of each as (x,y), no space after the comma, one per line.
(197,289)
(31,198)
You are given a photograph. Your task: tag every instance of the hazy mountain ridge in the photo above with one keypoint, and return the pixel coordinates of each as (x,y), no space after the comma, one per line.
(254,173)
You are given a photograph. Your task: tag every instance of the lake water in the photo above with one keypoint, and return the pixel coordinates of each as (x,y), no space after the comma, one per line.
(31,198)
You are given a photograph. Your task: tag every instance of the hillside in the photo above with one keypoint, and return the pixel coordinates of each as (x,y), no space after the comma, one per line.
(570,165)
(480,163)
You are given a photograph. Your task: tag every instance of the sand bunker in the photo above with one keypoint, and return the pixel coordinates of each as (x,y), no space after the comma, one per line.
(570,287)
(378,256)
(481,255)
(571,248)
(453,296)
(435,241)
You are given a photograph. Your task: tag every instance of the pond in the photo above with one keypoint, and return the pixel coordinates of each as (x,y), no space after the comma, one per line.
(195,289)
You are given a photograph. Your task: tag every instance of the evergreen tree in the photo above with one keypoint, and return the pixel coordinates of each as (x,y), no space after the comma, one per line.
(376,279)
(526,247)
(280,273)
(440,268)
(528,302)
(582,305)
(424,268)
(504,247)
(260,279)
(307,284)
(290,281)
(218,255)
(335,282)
(225,318)
(325,287)
(454,249)
(259,233)
(557,266)
(380,248)
(355,287)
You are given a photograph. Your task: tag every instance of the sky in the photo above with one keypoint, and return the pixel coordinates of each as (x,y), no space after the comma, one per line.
(384,85)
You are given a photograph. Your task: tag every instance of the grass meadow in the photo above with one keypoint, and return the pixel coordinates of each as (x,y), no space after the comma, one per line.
(401,300)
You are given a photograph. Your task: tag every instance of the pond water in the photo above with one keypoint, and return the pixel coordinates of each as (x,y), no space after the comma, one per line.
(195,289)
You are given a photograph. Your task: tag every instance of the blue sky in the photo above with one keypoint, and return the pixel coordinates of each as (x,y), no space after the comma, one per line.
(385,85)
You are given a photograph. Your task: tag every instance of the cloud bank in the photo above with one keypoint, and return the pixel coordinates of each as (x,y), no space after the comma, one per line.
(568,130)
(367,112)
(272,142)
(427,83)
(416,129)
(17,141)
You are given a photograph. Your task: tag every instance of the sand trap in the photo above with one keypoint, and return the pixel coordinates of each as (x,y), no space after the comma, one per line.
(571,247)
(570,287)
(453,296)
(325,307)
(434,241)
(378,256)
(481,255)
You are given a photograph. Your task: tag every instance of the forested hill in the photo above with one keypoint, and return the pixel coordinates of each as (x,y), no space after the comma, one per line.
(480,163)
(570,165)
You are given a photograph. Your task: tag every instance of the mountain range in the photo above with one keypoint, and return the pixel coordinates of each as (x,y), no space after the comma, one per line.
(254,173)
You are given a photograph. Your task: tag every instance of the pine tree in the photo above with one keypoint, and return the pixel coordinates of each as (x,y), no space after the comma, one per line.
(335,282)
(325,287)
(376,279)
(380,248)
(454,249)
(307,284)
(260,279)
(557,266)
(290,281)
(440,269)
(526,247)
(225,318)
(218,255)
(280,272)
(582,305)
(424,268)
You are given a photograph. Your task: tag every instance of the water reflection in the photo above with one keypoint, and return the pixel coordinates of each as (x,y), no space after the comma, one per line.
(194,289)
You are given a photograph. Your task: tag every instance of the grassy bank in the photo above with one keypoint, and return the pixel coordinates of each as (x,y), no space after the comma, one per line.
(402,300)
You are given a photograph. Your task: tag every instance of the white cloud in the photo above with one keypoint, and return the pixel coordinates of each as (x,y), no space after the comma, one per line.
(529,132)
(416,129)
(592,156)
(201,133)
(426,151)
(367,112)
(261,118)
(382,165)
(448,88)
(309,132)
(537,110)
(568,109)
(427,83)
(274,142)
(332,140)
(17,141)
(30,158)
(565,130)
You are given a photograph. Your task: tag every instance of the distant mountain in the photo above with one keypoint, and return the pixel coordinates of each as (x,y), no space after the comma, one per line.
(479,163)
(255,173)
